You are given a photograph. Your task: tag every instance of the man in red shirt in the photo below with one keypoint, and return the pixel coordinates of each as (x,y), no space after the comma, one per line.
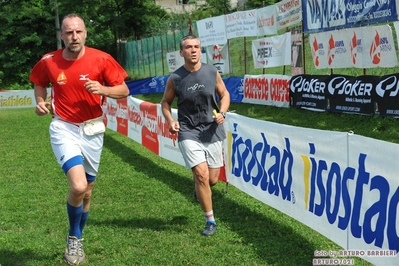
(80,77)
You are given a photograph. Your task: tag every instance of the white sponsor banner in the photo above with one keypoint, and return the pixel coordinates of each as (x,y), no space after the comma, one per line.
(110,110)
(344,186)
(136,119)
(334,46)
(218,56)
(267,20)
(175,60)
(396,25)
(378,47)
(267,90)
(318,51)
(365,47)
(272,51)
(19,98)
(240,24)
(212,31)
(168,146)
(289,12)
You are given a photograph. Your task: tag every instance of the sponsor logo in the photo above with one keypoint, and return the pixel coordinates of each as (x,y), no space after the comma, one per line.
(83,76)
(375,53)
(337,193)
(261,164)
(62,79)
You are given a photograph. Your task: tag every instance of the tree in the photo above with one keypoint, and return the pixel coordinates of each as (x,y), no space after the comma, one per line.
(29,31)
(251,4)
(27,27)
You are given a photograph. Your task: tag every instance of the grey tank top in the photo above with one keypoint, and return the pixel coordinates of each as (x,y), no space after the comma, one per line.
(196,100)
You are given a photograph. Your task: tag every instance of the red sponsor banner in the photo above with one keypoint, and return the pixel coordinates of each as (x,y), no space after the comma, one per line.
(122,116)
(149,133)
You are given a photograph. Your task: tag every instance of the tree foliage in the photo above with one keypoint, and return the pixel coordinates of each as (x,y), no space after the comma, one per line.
(250,4)
(29,30)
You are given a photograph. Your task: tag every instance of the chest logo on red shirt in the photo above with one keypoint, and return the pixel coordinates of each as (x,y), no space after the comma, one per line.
(83,77)
(62,79)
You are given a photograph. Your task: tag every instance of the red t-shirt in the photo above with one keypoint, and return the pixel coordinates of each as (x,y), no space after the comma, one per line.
(69,98)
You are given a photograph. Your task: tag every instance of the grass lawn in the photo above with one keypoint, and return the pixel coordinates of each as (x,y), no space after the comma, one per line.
(143,211)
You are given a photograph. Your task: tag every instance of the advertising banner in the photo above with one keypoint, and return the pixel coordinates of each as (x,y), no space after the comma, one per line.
(386,95)
(349,94)
(267,90)
(212,31)
(296,51)
(272,51)
(289,12)
(267,20)
(218,56)
(342,185)
(308,91)
(326,15)
(240,24)
(19,98)
(168,147)
(175,60)
(365,47)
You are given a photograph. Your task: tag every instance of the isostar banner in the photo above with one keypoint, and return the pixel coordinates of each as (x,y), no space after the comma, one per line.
(266,20)
(326,15)
(267,90)
(218,56)
(289,12)
(344,186)
(365,47)
(272,51)
(212,31)
(240,24)
(349,94)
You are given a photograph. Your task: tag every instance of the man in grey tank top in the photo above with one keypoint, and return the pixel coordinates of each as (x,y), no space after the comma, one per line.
(200,121)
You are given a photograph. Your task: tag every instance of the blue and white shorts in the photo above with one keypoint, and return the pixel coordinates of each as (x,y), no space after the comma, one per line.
(72,147)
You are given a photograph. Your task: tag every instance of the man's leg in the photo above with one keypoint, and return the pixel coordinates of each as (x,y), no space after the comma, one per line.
(77,189)
(204,193)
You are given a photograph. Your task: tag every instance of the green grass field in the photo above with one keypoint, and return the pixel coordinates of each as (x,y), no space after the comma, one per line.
(143,211)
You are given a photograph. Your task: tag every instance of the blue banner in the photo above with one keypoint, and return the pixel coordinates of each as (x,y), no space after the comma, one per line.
(326,15)
(147,85)
(234,85)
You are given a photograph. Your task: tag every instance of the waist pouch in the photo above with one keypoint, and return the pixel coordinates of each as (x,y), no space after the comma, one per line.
(93,126)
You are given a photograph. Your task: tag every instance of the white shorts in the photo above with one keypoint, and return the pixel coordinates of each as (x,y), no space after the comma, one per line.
(72,147)
(195,153)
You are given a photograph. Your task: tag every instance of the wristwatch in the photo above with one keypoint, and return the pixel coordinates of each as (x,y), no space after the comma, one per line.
(223,114)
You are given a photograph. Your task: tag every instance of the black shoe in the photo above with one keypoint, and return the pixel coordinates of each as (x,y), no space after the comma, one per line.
(195,196)
(210,229)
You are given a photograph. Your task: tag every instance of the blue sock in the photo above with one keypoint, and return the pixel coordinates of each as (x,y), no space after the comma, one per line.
(74,216)
(83,221)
